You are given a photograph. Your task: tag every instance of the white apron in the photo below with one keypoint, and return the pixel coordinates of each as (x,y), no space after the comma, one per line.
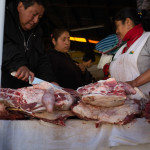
(124,66)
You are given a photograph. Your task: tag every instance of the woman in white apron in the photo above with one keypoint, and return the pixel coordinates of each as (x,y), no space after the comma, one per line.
(131,63)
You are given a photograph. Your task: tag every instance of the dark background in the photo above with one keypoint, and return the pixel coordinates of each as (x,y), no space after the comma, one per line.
(91,19)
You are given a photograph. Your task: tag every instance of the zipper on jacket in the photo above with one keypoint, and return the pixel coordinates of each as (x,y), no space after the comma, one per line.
(25,43)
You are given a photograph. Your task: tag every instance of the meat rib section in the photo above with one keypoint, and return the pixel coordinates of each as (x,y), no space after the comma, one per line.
(106,93)
(13,97)
(26,99)
(112,115)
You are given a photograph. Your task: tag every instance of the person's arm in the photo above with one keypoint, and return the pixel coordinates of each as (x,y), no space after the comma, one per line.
(145,76)
(140,80)
(81,66)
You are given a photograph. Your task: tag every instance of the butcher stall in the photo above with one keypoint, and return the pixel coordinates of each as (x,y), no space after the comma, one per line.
(98,116)
(110,121)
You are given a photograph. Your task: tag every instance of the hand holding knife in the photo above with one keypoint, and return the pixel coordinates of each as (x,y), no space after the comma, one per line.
(37,81)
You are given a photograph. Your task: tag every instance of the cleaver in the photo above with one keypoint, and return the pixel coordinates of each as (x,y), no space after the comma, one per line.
(37,81)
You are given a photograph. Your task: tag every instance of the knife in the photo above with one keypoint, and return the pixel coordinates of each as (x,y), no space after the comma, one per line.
(37,81)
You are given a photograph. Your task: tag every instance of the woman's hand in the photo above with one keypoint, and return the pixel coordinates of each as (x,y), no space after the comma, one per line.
(82,67)
(23,73)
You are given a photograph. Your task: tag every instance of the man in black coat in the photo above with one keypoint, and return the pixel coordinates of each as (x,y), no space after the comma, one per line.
(23,49)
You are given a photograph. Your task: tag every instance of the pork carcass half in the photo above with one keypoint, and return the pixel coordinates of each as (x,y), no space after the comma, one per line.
(29,101)
(33,99)
(105,93)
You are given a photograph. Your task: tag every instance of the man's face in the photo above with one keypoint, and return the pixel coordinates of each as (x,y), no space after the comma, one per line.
(30,17)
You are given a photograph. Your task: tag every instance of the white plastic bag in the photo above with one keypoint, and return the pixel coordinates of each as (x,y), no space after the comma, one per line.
(105,58)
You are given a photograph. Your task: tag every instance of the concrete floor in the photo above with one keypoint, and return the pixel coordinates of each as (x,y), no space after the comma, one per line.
(97,73)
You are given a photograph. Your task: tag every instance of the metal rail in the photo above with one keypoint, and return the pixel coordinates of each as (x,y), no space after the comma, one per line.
(2,15)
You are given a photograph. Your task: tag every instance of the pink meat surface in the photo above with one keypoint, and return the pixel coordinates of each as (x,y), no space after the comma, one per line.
(27,99)
(104,87)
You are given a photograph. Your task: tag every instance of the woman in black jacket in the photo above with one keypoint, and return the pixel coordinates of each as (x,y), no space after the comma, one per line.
(67,72)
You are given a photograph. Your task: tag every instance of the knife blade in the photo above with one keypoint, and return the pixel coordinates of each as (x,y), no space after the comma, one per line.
(38,81)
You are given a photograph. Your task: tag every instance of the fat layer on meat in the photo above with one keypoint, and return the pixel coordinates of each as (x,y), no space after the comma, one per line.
(105,93)
(103,100)
(111,115)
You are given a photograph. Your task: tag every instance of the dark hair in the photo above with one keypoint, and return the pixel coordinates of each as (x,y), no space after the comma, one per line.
(146,19)
(89,56)
(58,32)
(28,3)
(128,12)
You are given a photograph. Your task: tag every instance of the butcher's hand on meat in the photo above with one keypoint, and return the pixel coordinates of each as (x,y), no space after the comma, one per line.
(48,99)
(128,88)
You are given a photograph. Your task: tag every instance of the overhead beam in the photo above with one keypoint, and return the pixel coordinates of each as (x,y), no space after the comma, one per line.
(83,5)
(87,28)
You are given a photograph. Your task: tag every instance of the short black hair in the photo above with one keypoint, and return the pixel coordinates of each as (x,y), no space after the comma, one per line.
(89,56)
(28,3)
(56,33)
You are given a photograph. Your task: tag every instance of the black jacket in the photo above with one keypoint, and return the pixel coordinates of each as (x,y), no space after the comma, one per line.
(67,73)
(16,54)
